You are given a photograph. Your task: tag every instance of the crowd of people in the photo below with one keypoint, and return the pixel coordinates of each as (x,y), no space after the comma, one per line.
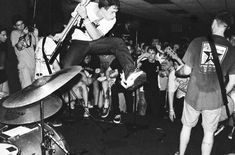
(157,78)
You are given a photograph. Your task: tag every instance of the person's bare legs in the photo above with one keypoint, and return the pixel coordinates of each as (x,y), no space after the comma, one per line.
(184,138)
(96,92)
(105,91)
(207,143)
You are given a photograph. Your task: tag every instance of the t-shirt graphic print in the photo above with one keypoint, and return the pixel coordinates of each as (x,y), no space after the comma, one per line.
(206,61)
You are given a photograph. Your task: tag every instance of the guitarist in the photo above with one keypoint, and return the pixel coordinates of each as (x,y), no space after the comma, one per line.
(204,93)
(97,19)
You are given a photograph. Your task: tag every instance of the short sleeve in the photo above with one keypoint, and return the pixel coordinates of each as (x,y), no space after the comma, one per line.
(14,38)
(190,54)
(105,26)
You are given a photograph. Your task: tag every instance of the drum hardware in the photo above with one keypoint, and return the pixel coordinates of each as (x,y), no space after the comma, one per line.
(41,88)
(22,102)
(29,114)
(24,140)
(49,136)
(3,128)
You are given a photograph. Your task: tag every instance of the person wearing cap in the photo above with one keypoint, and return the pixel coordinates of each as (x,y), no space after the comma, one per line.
(203,95)
(4,89)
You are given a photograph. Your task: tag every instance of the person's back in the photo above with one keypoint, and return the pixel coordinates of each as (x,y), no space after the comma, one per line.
(204,90)
(204,94)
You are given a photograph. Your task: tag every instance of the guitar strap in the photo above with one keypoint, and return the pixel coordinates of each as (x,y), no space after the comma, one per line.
(45,57)
(219,73)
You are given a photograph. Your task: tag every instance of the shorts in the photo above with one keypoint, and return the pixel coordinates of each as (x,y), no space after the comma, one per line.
(210,118)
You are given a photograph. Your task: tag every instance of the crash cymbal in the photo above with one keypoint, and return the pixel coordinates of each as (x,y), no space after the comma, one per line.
(30,113)
(41,88)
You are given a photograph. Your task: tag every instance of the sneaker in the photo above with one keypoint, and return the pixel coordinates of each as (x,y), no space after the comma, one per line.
(56,123)
(134,80)
(177,153)
(86,113)
(219,129)
(105,112)
(90,105)
(230,135)
(117,119)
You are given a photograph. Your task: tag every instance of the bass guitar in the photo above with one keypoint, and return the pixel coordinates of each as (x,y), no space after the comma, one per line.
(73,20)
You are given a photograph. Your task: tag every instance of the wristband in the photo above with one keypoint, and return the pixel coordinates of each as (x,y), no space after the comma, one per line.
(86,21)
(84,18)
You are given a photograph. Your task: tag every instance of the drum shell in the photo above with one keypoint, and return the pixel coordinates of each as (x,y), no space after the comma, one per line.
(30,143)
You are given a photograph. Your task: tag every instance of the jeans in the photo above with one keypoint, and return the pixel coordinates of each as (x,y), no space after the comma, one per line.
(117,88)
(105,45)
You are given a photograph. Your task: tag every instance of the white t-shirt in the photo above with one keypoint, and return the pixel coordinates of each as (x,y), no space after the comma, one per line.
(104,25)
(49,47)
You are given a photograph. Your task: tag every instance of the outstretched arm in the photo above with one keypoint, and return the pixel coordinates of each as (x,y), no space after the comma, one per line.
(172,87)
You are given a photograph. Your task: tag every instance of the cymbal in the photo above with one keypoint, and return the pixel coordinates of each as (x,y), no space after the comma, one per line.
(41,88)
(30,113)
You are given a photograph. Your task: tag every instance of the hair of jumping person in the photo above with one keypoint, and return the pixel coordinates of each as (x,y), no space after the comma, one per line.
(107,3)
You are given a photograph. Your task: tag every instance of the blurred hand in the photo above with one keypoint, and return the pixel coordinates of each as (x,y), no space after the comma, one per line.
(97,70)
(26,30)
(145,55)
(35,32)
(81,10)
(172,115)
(57,36)
(84,2)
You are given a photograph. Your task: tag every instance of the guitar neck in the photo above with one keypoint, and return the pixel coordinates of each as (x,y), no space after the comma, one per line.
(66,30)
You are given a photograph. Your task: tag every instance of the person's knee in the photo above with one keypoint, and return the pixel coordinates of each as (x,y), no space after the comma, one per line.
(208,137)
(118,42)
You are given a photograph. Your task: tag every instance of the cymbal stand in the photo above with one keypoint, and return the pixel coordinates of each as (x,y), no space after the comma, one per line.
(50,136)
(43,148)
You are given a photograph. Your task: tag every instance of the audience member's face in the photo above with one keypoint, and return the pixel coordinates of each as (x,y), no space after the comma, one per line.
(155,42)
(151,57)
(232,40)
(87,59)
(176,47)
(110,13)
(3,36)
(19,25)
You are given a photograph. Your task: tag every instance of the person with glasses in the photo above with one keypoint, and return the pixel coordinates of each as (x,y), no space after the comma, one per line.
(24,43)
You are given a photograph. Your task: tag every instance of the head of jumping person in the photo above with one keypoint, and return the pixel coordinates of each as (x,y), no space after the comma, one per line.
(221,22)
(109,8)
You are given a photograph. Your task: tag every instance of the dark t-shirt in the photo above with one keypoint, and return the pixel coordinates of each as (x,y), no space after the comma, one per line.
(3,50)
(204,90)
(116,65)
(92,65)
(151,70)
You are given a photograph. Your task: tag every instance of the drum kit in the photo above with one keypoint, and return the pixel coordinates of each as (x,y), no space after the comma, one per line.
(27,109)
